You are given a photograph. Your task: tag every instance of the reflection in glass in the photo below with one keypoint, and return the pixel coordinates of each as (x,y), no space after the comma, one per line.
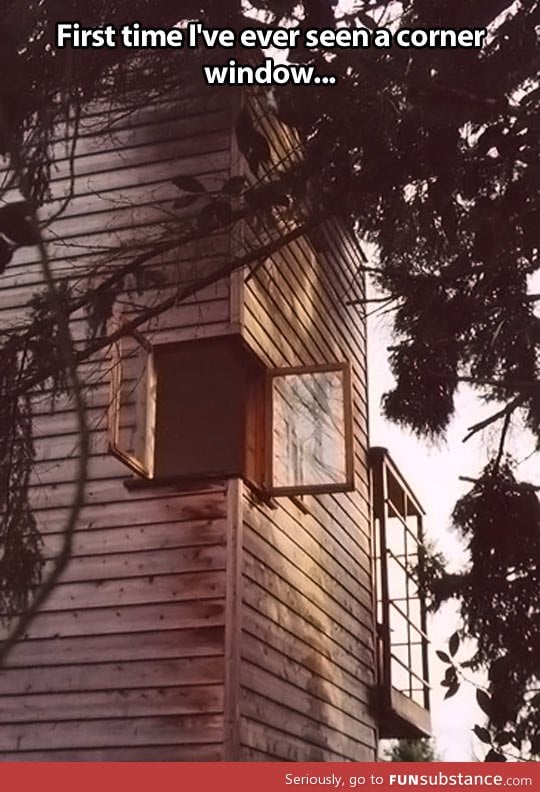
(309,443)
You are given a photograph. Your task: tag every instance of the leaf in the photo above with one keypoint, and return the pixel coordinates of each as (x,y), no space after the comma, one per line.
(452,690)
(17,225)
(267,195)
(482,734)
(234,186)
(531,97)
(6,254)
(488,139)
(214,214)
(453,644)
(244,129)
(251,143)
(365,20)
(253,163)
(290,112)
(494,756)
(260,150)
(100,311)
(188,184)
(185,201)
(484,702)
(443,656)
(498,668)
(504,737)
(450,675)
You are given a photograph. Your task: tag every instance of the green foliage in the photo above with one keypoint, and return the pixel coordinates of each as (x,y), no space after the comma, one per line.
(20,543)
(500,595)
(442,178)
(412,751)
(509,704)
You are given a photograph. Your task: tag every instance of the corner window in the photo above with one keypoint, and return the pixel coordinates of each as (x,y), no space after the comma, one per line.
(401,609)
(309,447)
(209,408)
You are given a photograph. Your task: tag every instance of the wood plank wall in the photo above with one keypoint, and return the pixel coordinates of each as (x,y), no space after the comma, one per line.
(126,659)
(307,633)
(135,656)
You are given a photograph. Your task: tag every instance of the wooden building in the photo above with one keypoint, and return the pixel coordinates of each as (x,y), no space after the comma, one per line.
(221,600)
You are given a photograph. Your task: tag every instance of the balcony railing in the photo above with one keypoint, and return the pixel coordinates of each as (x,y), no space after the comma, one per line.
(403,675)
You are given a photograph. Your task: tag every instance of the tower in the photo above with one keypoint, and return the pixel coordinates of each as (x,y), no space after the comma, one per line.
(221,600)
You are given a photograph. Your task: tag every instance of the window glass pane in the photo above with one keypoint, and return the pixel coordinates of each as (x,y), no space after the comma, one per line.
(133,382)
(309,430)
(132,405)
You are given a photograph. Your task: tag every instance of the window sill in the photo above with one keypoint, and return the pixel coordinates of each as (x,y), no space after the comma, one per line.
(257,495)
(175,483)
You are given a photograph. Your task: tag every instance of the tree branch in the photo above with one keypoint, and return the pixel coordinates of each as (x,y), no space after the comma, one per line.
(506,412)
(470,480)
(67,352)
(264,251)
(504,433)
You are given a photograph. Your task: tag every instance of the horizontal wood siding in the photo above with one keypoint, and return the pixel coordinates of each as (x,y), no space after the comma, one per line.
(128,652)
(126,660)
(205,624)
(307,647)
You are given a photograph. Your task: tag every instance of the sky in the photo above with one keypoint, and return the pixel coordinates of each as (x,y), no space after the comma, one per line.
(432,473)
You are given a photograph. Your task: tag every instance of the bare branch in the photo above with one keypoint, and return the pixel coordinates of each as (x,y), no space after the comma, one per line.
(252,256)
(71,164)
(504,432)
(69,359)
(506,412)
(470,480)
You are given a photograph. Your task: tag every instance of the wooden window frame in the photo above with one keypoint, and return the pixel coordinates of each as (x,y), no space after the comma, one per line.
(141,463)
(142,460)
(314,489)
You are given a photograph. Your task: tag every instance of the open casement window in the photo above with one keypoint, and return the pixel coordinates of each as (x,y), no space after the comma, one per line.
(401,609)
(309,444)
(133,404)
(183,410)
(209,408)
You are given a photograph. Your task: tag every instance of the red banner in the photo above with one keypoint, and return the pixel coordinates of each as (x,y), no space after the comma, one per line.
(266,777)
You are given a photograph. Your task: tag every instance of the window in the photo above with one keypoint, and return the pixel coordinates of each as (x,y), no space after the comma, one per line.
(209,408)
(133,404)
(310,414)
(401,609)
